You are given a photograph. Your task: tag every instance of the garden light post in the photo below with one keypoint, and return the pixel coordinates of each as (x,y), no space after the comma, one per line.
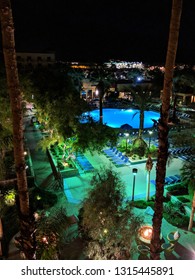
(149,165)
(126,137)
(134,175)
(150,135)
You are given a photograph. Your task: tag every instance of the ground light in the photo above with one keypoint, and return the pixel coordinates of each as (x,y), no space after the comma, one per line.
(145,233)
(134,171)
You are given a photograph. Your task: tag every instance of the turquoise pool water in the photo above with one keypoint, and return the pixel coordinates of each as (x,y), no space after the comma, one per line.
(117,117)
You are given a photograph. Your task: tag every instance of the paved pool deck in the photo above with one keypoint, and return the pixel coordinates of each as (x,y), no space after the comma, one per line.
(79,185)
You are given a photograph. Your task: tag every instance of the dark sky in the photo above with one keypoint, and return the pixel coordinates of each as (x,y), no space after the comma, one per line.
(91,30)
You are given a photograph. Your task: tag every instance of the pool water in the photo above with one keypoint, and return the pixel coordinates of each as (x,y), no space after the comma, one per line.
(117,117)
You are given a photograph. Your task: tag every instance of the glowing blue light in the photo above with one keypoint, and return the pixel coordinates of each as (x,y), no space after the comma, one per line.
(139,78)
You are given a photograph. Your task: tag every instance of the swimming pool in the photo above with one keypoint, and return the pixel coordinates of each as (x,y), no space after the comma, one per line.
(117,117)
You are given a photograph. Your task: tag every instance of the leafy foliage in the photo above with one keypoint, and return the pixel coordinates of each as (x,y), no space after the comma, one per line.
(175,214)
(188,177)
(186,139)
(42,199)
(94,136)
(107,222)
(49,232)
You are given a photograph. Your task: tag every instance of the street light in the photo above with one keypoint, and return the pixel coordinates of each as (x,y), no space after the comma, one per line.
(134,175)
(150,134)
(126,136)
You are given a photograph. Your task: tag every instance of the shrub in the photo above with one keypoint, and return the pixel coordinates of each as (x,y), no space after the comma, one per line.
(177,190)
(142,204)
(179,220)
(183,199)
(42,199)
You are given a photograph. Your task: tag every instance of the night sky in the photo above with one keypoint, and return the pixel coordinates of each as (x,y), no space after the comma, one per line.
(91,30)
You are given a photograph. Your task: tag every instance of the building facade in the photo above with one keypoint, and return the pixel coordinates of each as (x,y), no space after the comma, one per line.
(35,59)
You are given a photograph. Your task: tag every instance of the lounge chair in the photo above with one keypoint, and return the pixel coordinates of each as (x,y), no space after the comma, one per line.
(120,154)
(110,152)
(118,161)
(168,181)
(178,177)
(174,178)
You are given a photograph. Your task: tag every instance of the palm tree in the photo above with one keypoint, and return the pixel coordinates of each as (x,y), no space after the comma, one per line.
(142,100)
(163,130)
(101,91)
(26,219)
(188,178)
(149,165)
(104,79)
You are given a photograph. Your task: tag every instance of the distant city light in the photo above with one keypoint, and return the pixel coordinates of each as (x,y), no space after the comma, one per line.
(139,78)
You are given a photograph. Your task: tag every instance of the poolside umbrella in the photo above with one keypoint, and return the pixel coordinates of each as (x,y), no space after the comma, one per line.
(126,126)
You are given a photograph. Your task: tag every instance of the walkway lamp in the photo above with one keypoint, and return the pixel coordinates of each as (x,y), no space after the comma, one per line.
(126,137)
(134,171)
(150,135)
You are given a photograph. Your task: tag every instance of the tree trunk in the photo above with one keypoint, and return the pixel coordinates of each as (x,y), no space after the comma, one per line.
(141,123)
(149,165)
(192,214)
(26,219)
(155,247)
(1,237)
(100,88)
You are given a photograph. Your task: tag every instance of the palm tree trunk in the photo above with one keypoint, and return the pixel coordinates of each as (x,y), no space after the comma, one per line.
(155,247)
(100,88)
(101,110)
(192,214)
(26,219)
(1,237)
(141,123)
